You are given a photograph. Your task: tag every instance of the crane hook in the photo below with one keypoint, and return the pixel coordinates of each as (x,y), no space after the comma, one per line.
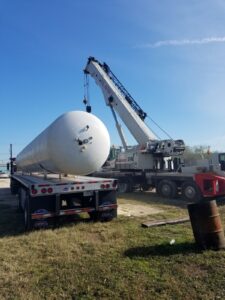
(86,93)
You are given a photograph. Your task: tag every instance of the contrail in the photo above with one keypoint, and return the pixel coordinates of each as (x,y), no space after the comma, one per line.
(184,42)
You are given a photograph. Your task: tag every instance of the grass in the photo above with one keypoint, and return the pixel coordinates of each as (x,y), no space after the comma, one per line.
(115,260)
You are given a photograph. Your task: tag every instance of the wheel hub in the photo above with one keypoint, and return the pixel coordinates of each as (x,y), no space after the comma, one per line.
(166,189)
(190,192)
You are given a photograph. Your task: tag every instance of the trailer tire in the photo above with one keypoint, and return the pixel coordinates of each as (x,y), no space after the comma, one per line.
(105,216)
(27,216)
(19,205)
(167,189)
(191,192)
(13,187)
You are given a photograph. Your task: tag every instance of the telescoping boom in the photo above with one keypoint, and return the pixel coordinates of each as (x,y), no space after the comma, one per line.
(121,102)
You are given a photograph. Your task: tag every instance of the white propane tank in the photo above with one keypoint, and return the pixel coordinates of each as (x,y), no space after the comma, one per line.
(75,143)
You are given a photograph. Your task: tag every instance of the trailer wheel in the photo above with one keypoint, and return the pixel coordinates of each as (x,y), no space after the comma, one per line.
(13,187)
(191,192)
(167,189)
(19,205)
(104,216)
(27,216)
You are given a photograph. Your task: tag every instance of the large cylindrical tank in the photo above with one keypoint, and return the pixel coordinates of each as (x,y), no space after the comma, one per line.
(75,143)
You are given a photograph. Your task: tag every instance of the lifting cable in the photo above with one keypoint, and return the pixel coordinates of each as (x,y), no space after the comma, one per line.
(86,100)
(166,133)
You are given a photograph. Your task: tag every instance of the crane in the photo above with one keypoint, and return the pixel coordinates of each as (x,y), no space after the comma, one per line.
(122,103)
(154,163)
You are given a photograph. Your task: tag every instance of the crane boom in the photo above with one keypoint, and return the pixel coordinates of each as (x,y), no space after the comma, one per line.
(120,100)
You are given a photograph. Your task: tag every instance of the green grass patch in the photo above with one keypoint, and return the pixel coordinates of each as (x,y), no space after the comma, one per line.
(115,260)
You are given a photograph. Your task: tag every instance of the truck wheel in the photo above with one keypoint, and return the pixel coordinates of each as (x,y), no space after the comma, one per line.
(123,187)
(167,189)
(191,192)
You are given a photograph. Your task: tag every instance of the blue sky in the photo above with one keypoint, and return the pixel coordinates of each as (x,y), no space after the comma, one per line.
(169,54)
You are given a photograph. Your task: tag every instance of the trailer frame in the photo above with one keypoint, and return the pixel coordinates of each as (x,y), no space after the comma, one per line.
(43,199)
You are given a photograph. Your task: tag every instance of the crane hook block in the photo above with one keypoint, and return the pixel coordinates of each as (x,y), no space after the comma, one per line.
(88,108)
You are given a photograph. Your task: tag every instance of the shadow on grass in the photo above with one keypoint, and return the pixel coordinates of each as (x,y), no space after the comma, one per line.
(221,201)
(162,250)
(12,221)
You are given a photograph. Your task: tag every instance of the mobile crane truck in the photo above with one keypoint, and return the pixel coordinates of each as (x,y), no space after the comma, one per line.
(153,163)
(70,145)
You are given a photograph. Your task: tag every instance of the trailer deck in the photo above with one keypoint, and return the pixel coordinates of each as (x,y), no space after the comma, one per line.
(40,185)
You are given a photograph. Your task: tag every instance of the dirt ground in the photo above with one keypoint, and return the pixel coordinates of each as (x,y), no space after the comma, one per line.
(4,183)
(131,209)
(137,210)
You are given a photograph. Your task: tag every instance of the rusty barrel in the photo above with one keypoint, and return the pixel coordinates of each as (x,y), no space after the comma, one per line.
(206,225)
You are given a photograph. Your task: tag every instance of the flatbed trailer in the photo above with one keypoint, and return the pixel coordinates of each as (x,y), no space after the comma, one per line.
(43,199)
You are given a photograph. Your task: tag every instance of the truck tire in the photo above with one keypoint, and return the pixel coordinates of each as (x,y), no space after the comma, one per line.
(125,186)
(191,192)
(167,189)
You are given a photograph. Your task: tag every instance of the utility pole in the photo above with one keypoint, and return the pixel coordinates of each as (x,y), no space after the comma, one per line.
(11,159)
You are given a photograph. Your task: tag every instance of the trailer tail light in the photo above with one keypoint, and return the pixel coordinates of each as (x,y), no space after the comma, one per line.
(50,190)
(44,190)
(34,192)
(105,186)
